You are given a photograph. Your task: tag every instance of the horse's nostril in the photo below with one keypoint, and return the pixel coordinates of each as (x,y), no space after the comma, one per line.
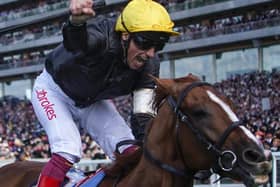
(252,156)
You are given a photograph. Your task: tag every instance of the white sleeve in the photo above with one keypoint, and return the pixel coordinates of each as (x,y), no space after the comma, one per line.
(142,101)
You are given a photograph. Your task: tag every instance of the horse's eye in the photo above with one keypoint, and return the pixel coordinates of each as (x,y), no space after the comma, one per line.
(199,113)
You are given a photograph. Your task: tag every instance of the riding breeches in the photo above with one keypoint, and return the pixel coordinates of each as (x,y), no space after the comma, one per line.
(62,120)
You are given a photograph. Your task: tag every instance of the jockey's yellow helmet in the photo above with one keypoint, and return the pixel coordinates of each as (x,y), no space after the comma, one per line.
(145,15)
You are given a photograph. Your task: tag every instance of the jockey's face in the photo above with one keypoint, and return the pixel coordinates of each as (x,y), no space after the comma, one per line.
(140,50)
(136,57)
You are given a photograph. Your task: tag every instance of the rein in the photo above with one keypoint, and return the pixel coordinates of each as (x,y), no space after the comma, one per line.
(215,148)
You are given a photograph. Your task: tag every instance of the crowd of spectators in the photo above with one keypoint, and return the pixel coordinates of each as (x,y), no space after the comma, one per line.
(251,20)
(206,28)
(234,24)
(256,96)
(124,106)
(31,9)
(40,7)
(23,59)
(179,5)
(33,32)
(22,137)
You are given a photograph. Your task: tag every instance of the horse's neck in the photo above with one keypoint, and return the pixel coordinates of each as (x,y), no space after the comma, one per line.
(147,174)
(160,143)
(161,136)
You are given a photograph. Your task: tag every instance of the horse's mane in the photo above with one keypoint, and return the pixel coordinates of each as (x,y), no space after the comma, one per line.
(161,93)
(124,163)
(159,96)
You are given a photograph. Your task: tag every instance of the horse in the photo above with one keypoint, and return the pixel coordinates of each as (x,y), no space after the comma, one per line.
(195,129)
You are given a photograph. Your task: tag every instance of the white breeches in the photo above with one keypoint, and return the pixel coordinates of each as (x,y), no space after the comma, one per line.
(62,120)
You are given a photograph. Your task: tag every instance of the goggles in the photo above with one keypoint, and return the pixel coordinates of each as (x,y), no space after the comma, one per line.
(147,39)
(145,43)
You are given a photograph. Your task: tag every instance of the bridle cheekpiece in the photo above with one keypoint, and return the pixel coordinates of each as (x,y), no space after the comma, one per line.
(216,149)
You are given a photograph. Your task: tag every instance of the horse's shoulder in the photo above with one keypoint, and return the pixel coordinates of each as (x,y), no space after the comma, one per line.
(124,163)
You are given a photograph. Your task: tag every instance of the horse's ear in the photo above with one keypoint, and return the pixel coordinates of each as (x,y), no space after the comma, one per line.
(162,84)
(193,77)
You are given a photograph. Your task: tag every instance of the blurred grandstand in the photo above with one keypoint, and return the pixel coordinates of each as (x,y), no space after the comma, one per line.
(234,44)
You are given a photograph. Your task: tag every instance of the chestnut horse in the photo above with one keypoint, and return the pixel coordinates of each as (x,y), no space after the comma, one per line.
(195,129)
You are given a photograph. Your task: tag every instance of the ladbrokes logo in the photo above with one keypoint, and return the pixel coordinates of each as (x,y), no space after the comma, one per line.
(46,104)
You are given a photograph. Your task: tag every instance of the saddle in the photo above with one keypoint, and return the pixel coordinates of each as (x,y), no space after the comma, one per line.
(92,180)
(123,164)
(120,167)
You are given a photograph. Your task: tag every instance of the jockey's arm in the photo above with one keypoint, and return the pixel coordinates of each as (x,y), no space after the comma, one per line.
(143,111)
(81,7)
(75,31)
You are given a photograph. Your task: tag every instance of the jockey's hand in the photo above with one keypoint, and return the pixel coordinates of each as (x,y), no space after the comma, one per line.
(80,7)
(81,11)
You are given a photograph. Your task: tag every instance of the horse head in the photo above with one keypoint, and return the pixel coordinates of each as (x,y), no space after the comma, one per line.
(200,131)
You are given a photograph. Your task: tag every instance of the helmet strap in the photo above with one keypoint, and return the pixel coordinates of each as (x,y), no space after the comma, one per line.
(125,44)
(124,26)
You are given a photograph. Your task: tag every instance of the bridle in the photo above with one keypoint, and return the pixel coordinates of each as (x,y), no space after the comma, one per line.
(216,148)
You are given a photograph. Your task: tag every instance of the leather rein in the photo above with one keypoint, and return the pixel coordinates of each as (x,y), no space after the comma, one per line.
(185,119)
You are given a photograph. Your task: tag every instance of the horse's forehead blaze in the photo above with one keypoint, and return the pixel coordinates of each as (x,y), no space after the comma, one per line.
(231,114)
(250,135)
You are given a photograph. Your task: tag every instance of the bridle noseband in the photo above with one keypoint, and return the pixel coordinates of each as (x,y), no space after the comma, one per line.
(216,148)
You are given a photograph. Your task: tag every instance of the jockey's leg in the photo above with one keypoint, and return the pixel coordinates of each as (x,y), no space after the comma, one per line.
(125,160)
(138,123)
(55,112)
(54,172)
(106,126)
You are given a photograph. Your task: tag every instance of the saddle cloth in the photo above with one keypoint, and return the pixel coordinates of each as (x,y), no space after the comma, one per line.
(91,180)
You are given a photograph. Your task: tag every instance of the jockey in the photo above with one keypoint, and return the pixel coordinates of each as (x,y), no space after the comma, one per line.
(100,58)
